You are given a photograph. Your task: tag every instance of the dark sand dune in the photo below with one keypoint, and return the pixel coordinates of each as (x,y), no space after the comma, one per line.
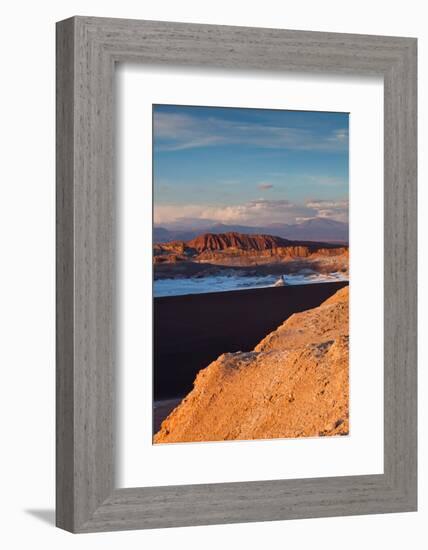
(192,331)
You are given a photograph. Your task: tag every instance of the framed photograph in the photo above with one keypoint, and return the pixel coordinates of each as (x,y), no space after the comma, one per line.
(236,274)
(235,254)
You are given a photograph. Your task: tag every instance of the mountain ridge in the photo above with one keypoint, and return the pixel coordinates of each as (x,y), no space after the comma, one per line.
(315,229)
(234,242)
(240,241)
(216,254)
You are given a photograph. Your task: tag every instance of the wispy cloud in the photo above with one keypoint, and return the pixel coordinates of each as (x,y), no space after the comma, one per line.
(343,204)
(179,131)
(337,210)
(256,212)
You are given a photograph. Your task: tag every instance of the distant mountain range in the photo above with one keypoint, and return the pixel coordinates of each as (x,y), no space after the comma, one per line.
(316,229)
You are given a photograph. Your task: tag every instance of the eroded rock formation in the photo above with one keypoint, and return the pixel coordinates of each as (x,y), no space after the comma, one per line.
(225,247)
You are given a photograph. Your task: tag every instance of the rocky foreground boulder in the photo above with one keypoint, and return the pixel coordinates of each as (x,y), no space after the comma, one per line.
(294,384)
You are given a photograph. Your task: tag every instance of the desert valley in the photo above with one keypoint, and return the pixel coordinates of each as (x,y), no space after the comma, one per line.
(237,260)
(279,366)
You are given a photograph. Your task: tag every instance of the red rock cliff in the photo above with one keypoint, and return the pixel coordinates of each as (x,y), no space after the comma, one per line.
(224,247)
(240,241)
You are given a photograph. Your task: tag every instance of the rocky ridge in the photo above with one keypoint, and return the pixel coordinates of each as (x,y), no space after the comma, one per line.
(238,248)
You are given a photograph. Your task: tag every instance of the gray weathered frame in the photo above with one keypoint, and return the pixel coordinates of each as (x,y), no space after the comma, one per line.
(87,50)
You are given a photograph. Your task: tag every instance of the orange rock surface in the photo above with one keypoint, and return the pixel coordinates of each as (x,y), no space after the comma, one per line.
(294,384)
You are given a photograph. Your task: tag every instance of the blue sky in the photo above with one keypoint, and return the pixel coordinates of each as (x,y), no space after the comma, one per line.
(248,166)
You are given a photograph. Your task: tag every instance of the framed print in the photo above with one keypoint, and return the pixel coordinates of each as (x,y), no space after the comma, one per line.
(200,324)
(236,238)
(236,274)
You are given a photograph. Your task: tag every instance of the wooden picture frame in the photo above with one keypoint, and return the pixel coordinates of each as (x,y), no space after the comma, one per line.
(87,50)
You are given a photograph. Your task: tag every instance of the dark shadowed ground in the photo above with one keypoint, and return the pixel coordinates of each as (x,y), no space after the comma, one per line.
(161,410)
(191,331)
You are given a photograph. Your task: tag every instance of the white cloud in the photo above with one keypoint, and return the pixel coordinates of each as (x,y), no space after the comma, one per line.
(257,213)
(337,210)
(342,204)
